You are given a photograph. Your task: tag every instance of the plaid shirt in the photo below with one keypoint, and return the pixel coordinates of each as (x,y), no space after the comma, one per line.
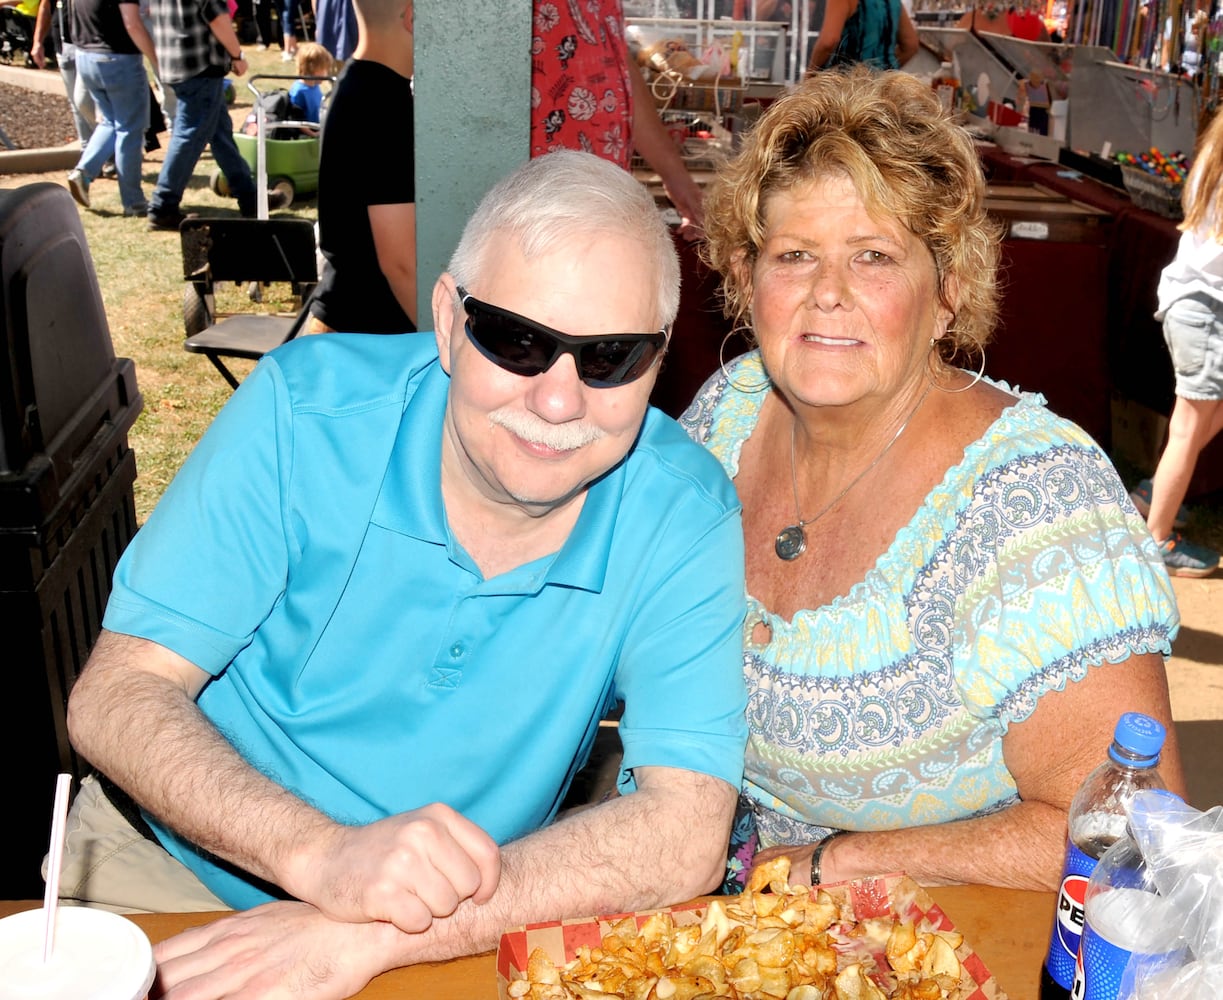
(186,46)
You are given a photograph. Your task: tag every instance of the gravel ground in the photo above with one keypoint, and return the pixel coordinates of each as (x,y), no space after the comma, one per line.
(34,120)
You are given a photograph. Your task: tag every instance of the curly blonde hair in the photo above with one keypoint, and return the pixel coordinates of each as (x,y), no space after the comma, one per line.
(906,157)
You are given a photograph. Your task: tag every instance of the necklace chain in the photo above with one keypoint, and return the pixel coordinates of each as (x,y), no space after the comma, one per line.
(792,540)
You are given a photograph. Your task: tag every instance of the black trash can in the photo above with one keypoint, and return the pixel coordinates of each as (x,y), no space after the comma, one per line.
(66,502)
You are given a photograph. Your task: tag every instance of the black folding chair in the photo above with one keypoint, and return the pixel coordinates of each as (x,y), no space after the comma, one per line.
(258,252)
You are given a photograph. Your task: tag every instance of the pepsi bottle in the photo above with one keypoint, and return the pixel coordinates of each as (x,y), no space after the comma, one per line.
(1097,821)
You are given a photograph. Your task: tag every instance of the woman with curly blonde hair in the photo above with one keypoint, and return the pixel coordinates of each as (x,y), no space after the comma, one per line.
(951,598)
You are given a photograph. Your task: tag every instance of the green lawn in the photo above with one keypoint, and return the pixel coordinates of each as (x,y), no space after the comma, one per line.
(141,278)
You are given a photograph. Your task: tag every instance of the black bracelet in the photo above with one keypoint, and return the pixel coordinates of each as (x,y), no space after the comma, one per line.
(818,855)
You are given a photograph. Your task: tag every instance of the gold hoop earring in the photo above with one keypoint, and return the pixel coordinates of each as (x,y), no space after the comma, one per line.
(758,387)
(976,378)
(934,348)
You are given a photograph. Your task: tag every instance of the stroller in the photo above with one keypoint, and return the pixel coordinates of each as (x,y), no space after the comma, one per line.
(16,37)
(279,149)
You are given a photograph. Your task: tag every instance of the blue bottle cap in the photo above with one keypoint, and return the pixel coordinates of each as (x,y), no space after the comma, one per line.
(1140,735)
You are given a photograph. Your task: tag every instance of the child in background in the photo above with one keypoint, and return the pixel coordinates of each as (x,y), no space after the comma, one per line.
(1191,308)
(306,95)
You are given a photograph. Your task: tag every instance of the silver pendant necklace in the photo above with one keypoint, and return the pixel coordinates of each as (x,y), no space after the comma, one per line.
(791,541)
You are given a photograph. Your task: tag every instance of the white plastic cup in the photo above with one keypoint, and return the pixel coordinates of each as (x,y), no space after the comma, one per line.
(98,956)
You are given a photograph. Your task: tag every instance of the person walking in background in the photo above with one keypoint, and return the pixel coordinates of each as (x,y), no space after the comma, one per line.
(367,229)
(876,32)
(19,20)
(266,27)
(196,47)
(1191,308)
(111,43)
(55,18)
(335,27)
(587,93)
(288,32)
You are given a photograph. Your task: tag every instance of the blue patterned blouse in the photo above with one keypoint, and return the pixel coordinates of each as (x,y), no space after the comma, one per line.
(1024,567)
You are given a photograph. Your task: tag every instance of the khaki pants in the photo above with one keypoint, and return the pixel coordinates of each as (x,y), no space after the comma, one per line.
(108,864)
(316,325)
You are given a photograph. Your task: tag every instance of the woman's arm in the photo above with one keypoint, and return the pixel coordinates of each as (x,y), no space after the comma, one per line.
(1049,754)
(906,39)
(836,13)
(651,140)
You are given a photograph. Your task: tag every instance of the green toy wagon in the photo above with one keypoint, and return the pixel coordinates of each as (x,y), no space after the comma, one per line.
(291,164)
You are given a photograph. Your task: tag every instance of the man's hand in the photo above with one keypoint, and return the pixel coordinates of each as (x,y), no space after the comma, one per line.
(406,869)
(276,950)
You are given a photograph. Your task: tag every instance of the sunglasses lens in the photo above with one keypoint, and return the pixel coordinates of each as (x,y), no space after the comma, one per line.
(526,348)
(512,345)
(615,362)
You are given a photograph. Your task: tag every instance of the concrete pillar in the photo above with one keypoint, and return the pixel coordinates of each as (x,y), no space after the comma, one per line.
(473,104)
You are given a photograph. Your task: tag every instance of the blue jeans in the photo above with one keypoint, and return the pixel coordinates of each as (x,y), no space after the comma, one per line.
(201,118)
(120,89)
(287,9)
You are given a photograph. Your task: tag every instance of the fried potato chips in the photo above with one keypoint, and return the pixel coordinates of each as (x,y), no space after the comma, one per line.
(773,942)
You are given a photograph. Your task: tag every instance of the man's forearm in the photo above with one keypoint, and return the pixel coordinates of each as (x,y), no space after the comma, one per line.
(222,29)
(638,851)
(42,23)
(148,735)
(139,34)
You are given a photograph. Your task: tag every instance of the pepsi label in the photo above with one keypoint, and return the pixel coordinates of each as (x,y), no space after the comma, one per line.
(1107,963)
(1144,942)
(1068,927)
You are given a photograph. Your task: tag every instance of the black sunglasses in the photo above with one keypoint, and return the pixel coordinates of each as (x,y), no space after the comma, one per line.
(524,347)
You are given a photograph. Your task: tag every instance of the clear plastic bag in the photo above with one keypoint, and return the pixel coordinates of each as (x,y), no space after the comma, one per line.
(1183,847)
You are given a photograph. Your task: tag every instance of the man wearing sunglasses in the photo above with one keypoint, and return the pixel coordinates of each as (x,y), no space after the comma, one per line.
(354,659)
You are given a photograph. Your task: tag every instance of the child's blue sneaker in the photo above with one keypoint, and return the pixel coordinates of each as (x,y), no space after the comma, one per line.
(1184,558)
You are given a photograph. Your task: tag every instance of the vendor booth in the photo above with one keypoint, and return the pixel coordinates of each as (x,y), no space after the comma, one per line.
(1085,238)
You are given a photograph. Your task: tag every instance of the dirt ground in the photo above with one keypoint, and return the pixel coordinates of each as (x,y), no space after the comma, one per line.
(34,119)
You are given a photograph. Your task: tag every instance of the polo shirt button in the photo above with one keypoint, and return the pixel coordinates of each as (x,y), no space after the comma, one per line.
(456,650)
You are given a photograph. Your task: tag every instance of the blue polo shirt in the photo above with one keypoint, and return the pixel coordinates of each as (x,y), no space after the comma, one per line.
(302,557)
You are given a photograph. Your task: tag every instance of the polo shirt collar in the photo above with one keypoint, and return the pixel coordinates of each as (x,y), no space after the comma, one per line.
(411,499)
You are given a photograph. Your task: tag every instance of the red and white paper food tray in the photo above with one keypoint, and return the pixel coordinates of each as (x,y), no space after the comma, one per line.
(859,900)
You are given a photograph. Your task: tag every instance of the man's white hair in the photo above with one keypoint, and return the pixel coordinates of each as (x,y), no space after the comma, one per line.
(564,197)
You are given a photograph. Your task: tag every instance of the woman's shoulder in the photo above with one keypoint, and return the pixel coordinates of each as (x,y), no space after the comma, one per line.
(1023,424)
(1027,465)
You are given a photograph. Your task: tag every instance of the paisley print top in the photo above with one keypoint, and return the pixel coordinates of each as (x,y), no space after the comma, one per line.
(1024,567)
(581,95)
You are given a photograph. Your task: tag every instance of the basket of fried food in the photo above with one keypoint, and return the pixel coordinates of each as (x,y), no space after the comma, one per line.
(870,939)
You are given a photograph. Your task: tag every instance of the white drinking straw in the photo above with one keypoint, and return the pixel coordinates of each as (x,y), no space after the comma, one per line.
(55,857)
